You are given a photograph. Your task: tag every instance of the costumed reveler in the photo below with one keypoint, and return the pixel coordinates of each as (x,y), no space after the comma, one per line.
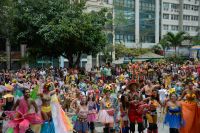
(136,108)
(7,104)
(152,113)
(52,113)
(190,109)
(106,114)
(173,116)
(21,119)
(81,124)
(92,112)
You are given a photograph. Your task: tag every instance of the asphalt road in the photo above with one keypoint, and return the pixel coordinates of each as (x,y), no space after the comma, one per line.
(161,128)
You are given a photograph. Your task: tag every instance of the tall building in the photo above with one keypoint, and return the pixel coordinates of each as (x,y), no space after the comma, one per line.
(180,15)
(136,22)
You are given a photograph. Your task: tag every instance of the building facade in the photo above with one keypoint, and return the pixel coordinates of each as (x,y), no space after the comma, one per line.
(180,15)
(136,22)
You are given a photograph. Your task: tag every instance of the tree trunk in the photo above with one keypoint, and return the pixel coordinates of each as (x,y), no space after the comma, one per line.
(175,51)
(77,63)
(71,61)
(164,52)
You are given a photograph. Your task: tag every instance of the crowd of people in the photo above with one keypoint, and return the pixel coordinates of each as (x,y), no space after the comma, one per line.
(65,100)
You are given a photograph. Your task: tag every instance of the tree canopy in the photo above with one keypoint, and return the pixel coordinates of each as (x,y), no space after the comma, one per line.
(175,40)
(57,27)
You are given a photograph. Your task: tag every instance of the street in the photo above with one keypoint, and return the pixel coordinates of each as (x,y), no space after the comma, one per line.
(161,128)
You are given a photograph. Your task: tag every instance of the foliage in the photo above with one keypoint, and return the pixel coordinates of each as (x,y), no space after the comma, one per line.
(122,51)
(196,40)
(175,40)
(177,59)
(6,18)
(55,27)
(156,49)
(107,53)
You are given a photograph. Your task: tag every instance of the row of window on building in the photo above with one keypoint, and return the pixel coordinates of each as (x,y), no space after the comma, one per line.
(176,17)
(175,7)
(176,28)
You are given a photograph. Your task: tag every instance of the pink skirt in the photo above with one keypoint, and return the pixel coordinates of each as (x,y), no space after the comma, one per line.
(104,117)
(92,117)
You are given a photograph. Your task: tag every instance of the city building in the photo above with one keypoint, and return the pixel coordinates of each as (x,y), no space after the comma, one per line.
(136,22)
(180,15)
(11,56)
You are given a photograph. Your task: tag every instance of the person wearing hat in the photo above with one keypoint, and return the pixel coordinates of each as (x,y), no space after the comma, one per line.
(8,99)
(106,114)
(135,110)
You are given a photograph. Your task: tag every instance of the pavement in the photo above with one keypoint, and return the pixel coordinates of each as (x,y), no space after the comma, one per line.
(161,128)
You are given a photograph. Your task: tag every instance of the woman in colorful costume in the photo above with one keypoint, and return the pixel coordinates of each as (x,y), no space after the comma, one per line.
(46,112)
(81,124)
(191,111)
(106,114)
(21,118)
(124,114)
(173,116)
(52,112)
(92,114)
(152,113)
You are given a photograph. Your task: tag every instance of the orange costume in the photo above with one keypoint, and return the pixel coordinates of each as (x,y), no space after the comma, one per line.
(191,115)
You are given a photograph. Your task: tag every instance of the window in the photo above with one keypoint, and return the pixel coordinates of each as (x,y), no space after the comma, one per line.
(186,28)
(174,6)
(186,7)
(174,27)
(195,8)
(193,28)
(165,6)
(165,16)
(174,17)
(165,27)
(130,38)
(186,17)
(194,18)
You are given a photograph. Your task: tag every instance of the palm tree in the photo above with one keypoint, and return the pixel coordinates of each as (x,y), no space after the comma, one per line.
(164,44)
(175,40)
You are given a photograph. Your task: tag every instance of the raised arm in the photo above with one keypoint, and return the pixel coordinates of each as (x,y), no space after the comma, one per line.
(15,105)
(35,106)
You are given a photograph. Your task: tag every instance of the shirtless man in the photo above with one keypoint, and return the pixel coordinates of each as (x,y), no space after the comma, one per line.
(147,89)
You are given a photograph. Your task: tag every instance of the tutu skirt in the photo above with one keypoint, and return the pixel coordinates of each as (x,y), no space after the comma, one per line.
(173,121)
(48,127)
(104,117)
(81,126)
(92,117)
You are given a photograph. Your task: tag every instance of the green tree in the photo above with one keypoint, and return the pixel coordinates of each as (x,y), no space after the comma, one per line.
(57,27)
(175,40)
(196,39)
(121,51)
(164,44)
